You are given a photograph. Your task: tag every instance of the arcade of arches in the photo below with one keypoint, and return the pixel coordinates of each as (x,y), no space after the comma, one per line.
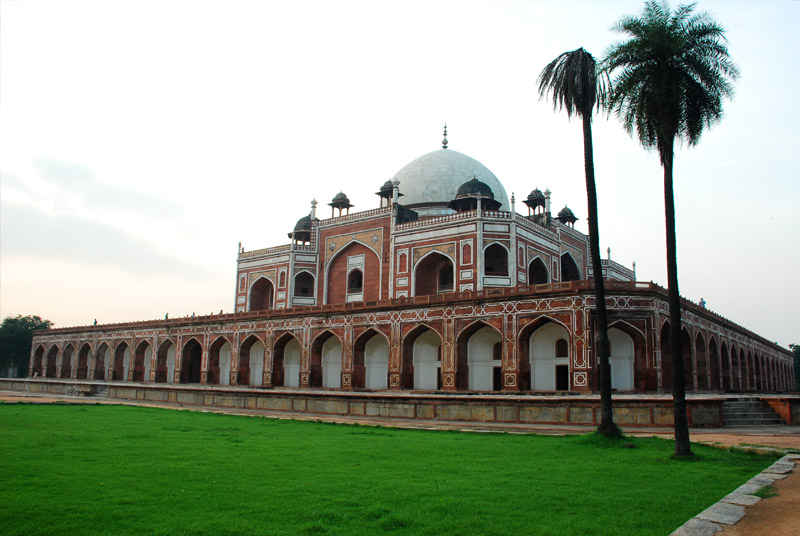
(544,356)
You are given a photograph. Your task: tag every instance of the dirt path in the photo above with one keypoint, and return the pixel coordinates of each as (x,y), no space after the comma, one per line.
(775,516)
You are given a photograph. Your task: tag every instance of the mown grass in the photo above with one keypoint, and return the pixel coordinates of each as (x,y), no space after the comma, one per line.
(125,470)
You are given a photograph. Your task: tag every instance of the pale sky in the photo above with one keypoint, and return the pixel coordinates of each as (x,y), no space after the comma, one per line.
(141,141)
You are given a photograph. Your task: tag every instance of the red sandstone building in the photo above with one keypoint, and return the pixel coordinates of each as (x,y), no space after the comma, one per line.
(442,286)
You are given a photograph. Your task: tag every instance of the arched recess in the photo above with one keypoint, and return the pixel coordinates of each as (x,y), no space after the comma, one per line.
(50,365)
(725,366)
(219,362)
(666,359)
(758,372)
(702,362)
(743,371)
(569,268)
(251,363)
(141,362)
(122,361)
(355,283)
(433,274)
(736,384)
(304,284)
(621,358)
(83,361)
(354,256)
(191,361)
(549,358)
(371,360)
(100,362)
(537,272)
(262,294)
(495,260)
(286,361)
(292,353)
(165,362)
(714,365)
(422,361)
(479,356)
(66,362)
(326,361)
(38,357)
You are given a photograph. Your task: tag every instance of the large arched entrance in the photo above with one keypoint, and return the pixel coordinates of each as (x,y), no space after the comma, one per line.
(50,367)
(621,359)
(38,357)
(83,361)
(141,362)
(332,363)
(165,363)
(251,362)
(122,361)
(292,352)
(219,363)
(422,361)
(433,275)
(66,362)
(100,362)
(261,295)
(484,353)
(371,361)
(191,362)
(549,358)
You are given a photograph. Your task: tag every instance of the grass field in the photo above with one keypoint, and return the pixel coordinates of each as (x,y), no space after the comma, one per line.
(126,470)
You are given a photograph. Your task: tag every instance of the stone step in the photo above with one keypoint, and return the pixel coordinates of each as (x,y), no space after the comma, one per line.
(749,412)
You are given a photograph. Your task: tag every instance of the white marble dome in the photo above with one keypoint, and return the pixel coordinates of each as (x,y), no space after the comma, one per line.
(431,181)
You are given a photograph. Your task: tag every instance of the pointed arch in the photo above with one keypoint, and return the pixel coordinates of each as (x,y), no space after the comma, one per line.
(433,274)
(251,362)
(550,353)
(354,255)
(479,358)
(165,362)
(66,361)
(191,361)
(371,360)
(100,363)
(725,366)
(50,366)
(495,260)
(621,358)
(38,357)
(262,295)
(537,272)
(421,359)
(326,361)
(141,362)
(524,348)
(702,362)
(304,284)
(219,362)
(83,361)
(286,361)
(569,268)
(714,383)
(122,361)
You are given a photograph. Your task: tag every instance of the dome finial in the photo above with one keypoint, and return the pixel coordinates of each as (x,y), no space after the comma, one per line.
(444,141)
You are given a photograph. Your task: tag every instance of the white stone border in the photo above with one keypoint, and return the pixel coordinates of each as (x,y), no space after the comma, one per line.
(730,509)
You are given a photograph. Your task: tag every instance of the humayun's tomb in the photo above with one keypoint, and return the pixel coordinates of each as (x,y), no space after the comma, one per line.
(441,302)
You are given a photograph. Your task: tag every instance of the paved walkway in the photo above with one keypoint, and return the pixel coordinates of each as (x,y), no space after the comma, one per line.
(775,516)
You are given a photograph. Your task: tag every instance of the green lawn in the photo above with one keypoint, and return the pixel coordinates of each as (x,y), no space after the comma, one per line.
(125,470)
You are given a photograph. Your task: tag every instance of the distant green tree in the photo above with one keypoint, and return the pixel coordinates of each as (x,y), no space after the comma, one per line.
(796,351)
(16,337)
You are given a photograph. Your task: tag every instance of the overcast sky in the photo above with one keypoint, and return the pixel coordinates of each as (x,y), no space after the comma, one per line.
(141,141)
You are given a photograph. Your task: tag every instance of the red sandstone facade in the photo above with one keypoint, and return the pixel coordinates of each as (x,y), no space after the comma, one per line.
(458,294)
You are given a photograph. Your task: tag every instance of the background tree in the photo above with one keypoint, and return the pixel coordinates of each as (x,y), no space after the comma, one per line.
(16,337)
(573,81)
(671,77)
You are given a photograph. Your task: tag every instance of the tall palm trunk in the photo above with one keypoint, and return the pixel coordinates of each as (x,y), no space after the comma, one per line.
(607,426)
(682,444)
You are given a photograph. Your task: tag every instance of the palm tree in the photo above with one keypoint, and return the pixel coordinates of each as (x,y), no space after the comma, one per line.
(671,77)
(576,86)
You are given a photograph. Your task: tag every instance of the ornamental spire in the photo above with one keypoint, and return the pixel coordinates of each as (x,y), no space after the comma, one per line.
(444,141)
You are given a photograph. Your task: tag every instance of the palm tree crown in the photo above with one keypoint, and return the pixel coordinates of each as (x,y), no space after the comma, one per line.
(673,74)
(575,83)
